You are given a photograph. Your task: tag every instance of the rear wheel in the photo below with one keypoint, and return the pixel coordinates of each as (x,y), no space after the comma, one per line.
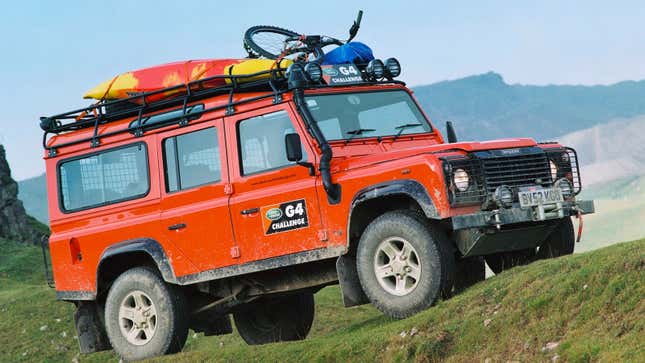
(285,318)
(144,316)
(401,264)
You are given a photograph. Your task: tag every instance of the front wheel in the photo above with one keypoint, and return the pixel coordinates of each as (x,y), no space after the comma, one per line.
(560,242)
(280,319)
(144,316)
(402,264)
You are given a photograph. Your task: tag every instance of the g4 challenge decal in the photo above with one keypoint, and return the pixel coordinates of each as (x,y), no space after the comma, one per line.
(284,217)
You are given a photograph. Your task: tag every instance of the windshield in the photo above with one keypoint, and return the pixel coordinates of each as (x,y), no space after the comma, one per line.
(367,114)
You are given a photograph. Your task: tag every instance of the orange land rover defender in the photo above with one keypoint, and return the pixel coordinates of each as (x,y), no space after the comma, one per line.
(244,200)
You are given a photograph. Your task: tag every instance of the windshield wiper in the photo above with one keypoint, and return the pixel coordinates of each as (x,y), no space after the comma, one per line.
(402,128)
(357,132)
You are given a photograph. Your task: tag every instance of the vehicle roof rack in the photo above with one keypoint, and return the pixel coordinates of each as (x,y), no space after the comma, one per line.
(272,81)
(93,116)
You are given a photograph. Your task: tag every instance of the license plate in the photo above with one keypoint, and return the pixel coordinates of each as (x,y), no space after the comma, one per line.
(539,196)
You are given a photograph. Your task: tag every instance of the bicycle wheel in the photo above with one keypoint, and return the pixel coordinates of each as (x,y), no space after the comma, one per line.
(267,41)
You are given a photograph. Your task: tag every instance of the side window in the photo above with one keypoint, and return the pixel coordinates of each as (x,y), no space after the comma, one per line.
(108,177)
(261,142)
(191,160)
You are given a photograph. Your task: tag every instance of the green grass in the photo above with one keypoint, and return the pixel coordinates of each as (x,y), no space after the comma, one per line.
(591,304)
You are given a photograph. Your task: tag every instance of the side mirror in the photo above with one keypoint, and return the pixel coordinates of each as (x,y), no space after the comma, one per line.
(450,131)
(293,147)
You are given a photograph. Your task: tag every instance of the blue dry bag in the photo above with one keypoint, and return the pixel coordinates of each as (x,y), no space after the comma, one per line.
(352,52)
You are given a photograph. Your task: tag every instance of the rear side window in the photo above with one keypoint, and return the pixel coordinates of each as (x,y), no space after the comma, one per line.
(104,178)
(192,160)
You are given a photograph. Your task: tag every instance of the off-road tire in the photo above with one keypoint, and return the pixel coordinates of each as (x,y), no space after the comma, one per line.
(469,271)
(447,250)
(560,242)
(171,324)
(431,246)
(502,261)
(278,319)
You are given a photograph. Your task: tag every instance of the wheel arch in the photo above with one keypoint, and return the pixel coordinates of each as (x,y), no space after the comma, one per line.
(122,256)
(374,200)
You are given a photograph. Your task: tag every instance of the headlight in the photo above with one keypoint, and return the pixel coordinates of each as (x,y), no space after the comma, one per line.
(375,69)
(554,170)
(393,67)
(461,179)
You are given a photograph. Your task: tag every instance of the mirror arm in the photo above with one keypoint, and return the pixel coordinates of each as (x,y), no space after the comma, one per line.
(310,166)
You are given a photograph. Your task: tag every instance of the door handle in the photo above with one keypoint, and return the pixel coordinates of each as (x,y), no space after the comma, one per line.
(177,226)
(249,211)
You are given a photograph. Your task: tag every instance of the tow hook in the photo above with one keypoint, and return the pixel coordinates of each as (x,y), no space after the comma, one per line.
(495,220)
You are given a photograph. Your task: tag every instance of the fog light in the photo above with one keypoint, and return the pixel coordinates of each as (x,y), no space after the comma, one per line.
(504,195)
(554,170)
(565,187)
(375,69)
(296,77)
(393,67)
(461,179)
(314,72)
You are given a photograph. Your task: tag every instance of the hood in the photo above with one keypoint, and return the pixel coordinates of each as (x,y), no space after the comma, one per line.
(383,152)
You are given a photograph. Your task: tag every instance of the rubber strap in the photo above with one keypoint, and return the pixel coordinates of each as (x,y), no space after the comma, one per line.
(580,224)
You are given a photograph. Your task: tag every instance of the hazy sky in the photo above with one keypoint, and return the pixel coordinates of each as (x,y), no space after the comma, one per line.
(51,52)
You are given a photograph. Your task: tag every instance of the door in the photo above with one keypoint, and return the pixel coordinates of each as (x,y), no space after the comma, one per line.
(195,212)
(274,205)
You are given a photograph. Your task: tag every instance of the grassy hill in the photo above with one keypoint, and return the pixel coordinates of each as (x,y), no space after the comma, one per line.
(585,307)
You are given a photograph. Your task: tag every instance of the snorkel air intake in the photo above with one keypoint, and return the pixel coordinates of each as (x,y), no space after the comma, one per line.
(332,190)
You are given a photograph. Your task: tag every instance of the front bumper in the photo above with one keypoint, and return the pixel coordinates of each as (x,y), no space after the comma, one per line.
(511,229)
(515,214)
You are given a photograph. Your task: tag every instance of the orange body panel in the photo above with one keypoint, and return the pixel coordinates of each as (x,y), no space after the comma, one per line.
(226,221)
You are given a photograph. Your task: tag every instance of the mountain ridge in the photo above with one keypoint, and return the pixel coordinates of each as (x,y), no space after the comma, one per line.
(484,106)
(14,222)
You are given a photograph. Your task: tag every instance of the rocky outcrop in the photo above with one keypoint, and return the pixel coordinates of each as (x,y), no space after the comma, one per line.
(15,224)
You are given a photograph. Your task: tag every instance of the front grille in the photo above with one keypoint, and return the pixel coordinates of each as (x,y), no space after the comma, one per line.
(512,167)
(516,171)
